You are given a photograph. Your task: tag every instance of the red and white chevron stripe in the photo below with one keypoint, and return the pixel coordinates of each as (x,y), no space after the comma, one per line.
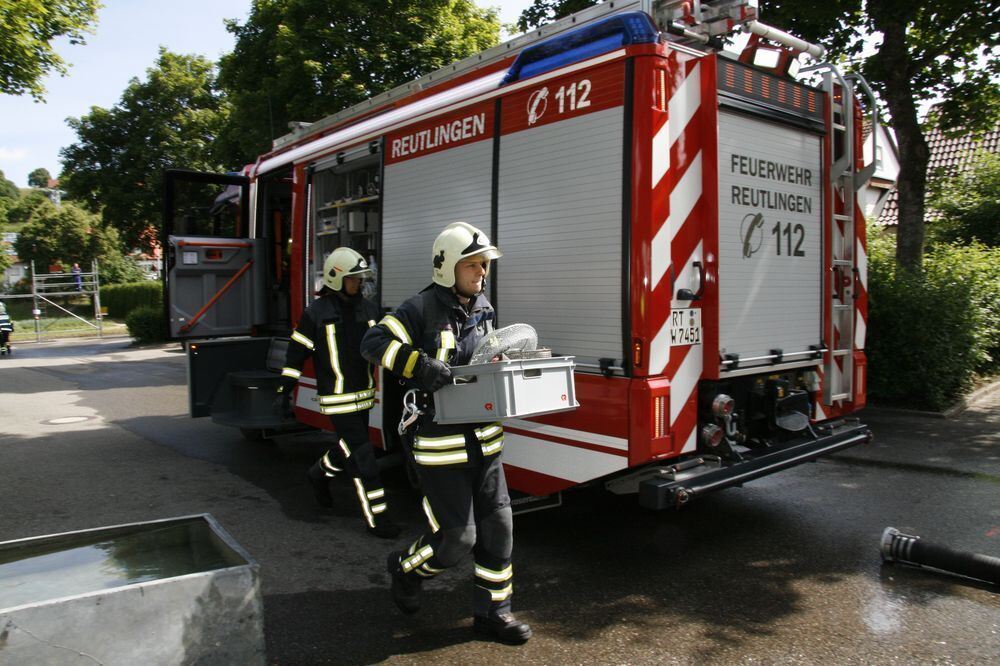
(678,193)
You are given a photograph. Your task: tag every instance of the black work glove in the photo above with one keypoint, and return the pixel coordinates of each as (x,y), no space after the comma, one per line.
(432,374)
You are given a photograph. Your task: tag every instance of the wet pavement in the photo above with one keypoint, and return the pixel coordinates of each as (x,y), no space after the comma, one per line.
(783,570)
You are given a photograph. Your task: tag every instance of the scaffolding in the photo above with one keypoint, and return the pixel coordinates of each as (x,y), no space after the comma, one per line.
(45,287)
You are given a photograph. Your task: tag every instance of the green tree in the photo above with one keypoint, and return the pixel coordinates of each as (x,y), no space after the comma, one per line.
(66,234)
(968,204)
(28,28)
(27,206)
(171,119)
(8,190)
(40,177)
(305,59)
(925,49)
(117,268)
(6,261)
(929,49)
(546,11)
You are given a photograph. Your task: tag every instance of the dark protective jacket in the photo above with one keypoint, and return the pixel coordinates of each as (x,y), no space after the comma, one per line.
(433,323)
(330,330)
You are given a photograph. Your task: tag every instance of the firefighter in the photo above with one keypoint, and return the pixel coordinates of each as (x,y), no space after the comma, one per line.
(330,330)
(6,328)
(461,476)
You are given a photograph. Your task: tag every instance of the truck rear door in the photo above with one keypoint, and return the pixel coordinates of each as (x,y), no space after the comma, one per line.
(770,237)
(213,266)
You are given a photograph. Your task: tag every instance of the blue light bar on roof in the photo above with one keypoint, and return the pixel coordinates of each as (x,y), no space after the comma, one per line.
(583,43)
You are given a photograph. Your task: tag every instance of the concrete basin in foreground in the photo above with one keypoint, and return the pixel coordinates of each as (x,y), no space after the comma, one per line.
(174,591)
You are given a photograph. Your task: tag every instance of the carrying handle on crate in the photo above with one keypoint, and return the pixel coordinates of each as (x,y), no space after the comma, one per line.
(531,373)
(467,379)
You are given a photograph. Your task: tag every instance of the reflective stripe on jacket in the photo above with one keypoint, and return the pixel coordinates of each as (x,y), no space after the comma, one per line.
(434,324)
(330,331)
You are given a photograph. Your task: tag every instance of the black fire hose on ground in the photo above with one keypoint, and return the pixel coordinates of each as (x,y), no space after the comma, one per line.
(908,549)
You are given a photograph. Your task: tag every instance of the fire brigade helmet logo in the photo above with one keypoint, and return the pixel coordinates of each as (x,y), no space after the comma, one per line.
(752,233)
(537,104)
(439,260)
(341,263)
(473,248)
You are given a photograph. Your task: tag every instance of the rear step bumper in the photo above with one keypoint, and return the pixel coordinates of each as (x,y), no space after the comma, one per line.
(675,490)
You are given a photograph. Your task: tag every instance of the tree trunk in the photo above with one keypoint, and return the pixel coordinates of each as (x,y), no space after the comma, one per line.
(913,151)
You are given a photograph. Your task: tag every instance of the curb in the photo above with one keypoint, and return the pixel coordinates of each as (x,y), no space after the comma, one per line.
(963,404)
(971,399)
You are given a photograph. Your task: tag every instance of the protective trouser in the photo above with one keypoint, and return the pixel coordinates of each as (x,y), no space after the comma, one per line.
(468,509)
(355,455)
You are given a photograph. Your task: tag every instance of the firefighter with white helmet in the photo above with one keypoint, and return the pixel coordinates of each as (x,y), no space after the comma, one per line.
(330,331)
(465,493)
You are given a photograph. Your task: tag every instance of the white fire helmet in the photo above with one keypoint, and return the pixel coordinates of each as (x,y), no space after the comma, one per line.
(458,241)
(343,262)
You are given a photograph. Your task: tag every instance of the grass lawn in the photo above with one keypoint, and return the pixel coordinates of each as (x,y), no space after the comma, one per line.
(63,327)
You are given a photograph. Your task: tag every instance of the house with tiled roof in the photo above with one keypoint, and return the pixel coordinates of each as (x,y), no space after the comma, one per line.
(883,181)
(18,269)
(949,155)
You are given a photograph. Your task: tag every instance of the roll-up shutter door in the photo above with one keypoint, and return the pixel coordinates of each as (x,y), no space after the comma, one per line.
(422,195)
(770,238)
(560,229)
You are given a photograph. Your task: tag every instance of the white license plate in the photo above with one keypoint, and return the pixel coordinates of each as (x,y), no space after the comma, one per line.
(685,327)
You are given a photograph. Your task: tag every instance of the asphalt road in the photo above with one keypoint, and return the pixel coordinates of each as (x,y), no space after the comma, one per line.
(784,570)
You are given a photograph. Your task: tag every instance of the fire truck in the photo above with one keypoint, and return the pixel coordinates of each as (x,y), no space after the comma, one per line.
(684,223)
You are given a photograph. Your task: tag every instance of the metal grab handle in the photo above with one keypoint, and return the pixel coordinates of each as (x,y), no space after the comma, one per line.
(687,294)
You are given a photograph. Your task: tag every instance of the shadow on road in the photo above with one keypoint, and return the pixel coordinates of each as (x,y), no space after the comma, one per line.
(594,577)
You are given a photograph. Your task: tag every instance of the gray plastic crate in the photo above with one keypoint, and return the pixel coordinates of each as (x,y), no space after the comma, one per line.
(507,390)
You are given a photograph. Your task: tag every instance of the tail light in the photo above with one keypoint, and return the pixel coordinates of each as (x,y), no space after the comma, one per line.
(659,416)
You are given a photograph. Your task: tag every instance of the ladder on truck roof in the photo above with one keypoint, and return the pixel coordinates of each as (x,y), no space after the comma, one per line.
(695,21)
(844,182)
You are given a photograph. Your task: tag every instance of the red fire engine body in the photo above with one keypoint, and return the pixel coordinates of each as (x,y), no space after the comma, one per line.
(684,224)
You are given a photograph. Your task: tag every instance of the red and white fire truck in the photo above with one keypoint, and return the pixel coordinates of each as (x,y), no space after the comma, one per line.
(685,224)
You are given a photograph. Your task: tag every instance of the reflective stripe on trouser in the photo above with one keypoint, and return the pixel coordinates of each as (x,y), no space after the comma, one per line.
(494,583)
(358,460)
(456,501)
(331,464)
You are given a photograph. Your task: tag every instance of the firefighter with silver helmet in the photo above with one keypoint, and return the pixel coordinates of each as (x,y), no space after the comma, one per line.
(465,493)
(330,331)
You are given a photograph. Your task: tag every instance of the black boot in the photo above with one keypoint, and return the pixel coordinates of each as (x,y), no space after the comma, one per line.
(405,589)
(320,483)
(385,528)
(502,627)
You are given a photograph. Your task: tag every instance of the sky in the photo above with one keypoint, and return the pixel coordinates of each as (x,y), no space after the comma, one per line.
(124,45)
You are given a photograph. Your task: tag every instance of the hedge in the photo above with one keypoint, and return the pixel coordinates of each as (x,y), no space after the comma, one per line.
(121,299)
(931,332)
(146,324)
